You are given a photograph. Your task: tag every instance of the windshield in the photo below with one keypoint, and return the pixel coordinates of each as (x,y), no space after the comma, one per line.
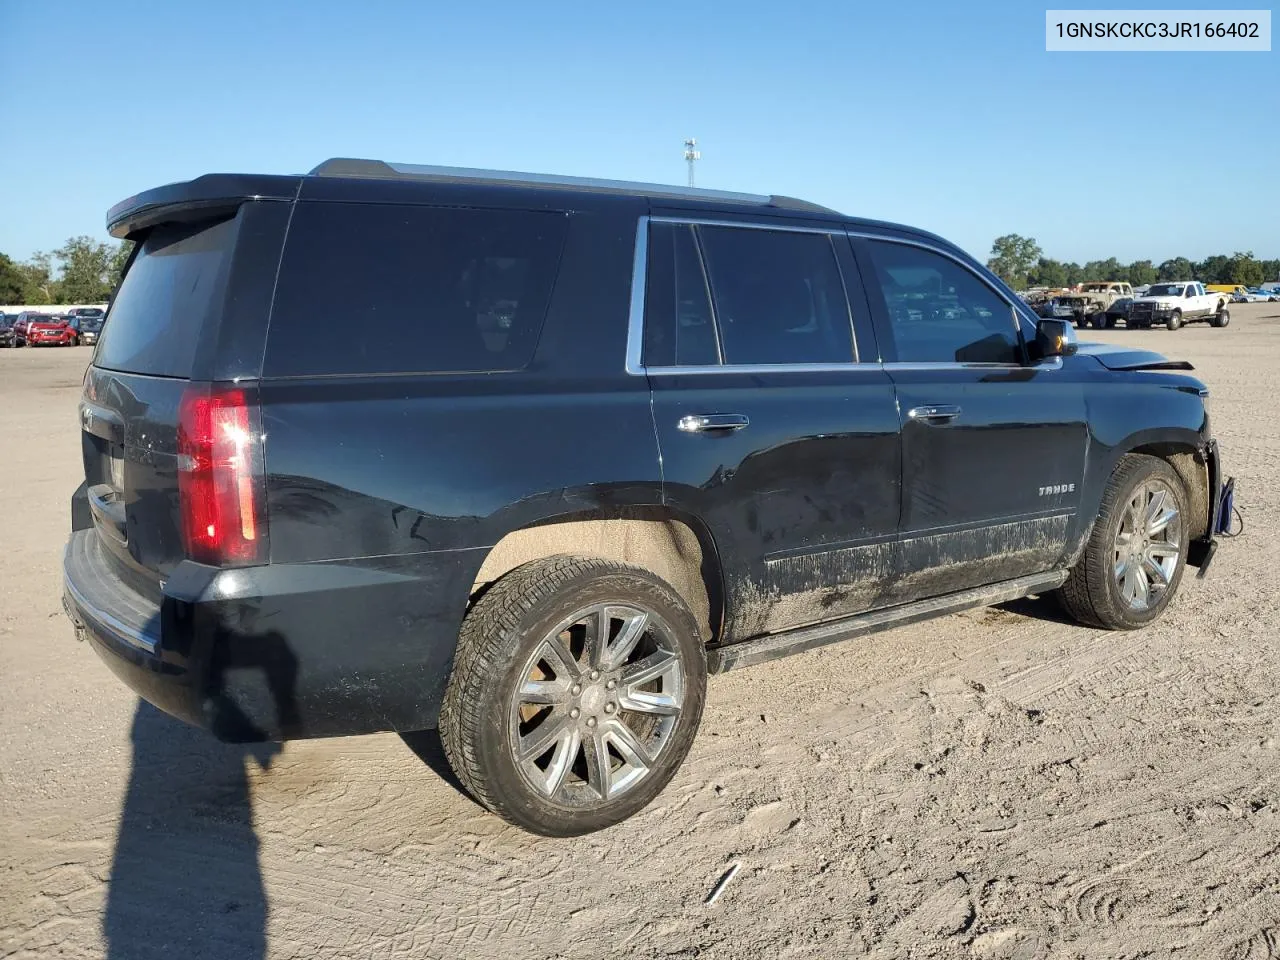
(1165,290)
(90,323)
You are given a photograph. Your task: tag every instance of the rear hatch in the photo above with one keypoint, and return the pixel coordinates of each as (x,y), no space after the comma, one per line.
(191,310)
(133,390)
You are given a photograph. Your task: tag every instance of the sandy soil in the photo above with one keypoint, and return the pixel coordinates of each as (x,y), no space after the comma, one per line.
(995,784)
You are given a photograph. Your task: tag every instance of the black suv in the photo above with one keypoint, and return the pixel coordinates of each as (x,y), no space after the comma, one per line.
(525,458)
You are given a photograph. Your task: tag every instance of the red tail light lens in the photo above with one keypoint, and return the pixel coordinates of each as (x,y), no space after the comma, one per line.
(221,476)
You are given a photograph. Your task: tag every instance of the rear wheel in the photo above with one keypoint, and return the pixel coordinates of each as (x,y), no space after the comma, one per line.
(1221,318)
(576,692)
(1175,320)
(1137,551)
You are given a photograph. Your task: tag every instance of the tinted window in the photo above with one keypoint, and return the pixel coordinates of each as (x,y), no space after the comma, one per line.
(164,299)
(375,288)
(778,296)
(940,311)
(678,327)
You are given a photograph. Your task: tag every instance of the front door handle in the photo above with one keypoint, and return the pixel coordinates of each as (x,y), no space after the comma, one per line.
(707,422)
(934,414)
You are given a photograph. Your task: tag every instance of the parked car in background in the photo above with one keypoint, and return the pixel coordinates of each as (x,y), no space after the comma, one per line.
(803,427)
(1173,304)
(24,320)
(1091,304)
(1119,310)
(85,329)
(48,332)
(91,313)
(7,338)
(1235,291)
(1258,295)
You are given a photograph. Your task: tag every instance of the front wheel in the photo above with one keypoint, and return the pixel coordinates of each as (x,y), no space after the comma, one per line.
(1175,320)
(576,692)
(1221,318)
(1098,321)
(1137,551)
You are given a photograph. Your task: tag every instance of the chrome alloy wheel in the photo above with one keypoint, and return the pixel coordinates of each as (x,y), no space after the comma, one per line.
(596,703)
(1148,544)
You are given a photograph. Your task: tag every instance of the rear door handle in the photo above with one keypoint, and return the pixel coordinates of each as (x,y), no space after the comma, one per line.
(707,422)
(933,414)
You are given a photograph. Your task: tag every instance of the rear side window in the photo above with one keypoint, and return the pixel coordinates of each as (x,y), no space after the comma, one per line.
(165,298)
(378,288)
(778,296)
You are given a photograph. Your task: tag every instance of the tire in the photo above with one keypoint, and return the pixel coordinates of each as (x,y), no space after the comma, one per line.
(1098,321)
(1221,318)
(1175,320)
(1095,591)
(1111,322)
(507,646)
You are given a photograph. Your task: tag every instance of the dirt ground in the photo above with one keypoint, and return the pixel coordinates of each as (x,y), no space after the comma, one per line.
(995,784)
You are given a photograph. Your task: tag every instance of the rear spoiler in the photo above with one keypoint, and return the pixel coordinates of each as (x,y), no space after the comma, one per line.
(198,199)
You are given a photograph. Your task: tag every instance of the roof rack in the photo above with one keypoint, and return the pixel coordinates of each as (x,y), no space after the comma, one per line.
(380,169)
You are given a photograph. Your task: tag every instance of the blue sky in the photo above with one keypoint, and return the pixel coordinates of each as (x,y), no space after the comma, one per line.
(949,116)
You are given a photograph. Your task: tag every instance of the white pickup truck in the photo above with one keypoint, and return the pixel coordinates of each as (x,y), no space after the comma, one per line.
(1174,304)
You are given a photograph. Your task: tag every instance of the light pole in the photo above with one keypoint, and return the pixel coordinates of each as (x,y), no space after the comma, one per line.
(691,155)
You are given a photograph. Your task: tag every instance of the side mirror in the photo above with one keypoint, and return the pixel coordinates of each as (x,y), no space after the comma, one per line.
(1055,338)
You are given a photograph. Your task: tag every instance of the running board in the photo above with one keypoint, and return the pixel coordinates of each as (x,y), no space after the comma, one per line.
(771,646)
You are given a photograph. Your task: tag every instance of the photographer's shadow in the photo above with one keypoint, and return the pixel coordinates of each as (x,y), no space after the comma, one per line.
(185,878)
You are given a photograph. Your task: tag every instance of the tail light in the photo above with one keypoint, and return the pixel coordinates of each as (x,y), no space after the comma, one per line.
(221,476)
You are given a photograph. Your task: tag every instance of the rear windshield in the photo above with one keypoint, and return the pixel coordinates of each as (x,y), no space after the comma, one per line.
(155,319)
(381,288)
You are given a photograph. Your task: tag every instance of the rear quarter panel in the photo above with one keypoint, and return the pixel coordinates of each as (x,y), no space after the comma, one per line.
(421,475)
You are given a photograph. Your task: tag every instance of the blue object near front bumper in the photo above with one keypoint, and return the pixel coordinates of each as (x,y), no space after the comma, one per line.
(1221,506)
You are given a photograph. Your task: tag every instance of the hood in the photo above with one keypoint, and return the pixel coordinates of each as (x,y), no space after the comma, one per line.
(1128,358)
(47,324)
(1162,300)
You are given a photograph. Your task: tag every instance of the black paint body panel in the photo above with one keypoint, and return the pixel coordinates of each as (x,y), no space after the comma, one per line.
(386,492)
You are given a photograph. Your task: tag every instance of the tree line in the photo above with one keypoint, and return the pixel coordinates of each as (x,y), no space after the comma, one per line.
(82,270)
(1020,262)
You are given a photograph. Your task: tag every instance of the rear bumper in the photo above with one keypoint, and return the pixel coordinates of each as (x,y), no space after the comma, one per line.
(281,651)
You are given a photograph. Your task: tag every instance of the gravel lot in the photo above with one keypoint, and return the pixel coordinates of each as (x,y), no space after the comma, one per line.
(995,784)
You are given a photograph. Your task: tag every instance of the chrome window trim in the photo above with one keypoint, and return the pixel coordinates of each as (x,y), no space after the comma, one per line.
(1053,364)
(776,227)
(758,368)
(635,321)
